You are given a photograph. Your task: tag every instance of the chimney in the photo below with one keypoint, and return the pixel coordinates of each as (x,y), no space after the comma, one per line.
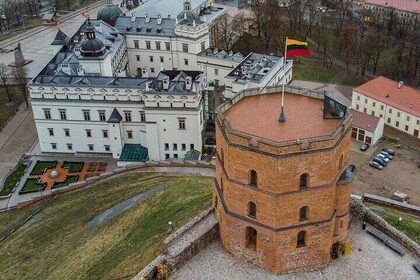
(188,83)
(133,17)
(159,19)
(400,84)
(166,82)
(147,18)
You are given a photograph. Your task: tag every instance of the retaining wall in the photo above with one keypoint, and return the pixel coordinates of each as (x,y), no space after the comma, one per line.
(359,210)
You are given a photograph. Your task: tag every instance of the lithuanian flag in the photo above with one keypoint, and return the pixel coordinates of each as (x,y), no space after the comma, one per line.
(295,47)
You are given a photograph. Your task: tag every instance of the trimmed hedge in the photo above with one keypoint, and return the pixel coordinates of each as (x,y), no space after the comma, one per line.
(69,180)
(13,179)
(42,165)
(32,185)
(73,166)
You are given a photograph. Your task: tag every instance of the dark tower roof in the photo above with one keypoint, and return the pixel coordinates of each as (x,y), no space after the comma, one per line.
(109,13)
(61,39)
(91,46)
(115,117)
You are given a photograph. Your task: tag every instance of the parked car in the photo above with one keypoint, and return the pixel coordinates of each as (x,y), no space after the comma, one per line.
(364,147)
(376,165)
(389,151)
(351,168)
(383,157)
(387,155)
(380,161)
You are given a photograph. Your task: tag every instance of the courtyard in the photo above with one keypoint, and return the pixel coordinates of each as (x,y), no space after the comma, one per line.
(369,259)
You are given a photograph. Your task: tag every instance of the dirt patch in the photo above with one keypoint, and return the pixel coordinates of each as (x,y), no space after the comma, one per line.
(401,173)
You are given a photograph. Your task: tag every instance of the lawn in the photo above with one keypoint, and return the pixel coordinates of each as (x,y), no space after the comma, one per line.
(58,243)
(12,179)
(31,185)
(73,166)
(310,70)
(410,225)
(40,166)
(6,109)
(69,180)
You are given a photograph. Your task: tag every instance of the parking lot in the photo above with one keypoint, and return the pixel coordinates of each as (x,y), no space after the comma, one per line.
(401,174)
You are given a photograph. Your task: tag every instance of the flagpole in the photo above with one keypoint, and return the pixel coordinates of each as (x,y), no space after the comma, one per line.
(282,118)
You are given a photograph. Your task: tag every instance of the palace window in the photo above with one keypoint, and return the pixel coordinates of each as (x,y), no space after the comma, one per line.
(181,123)
(129,134)
(86,115)
(105,133)
(127,115)
(185,48)
(102,117)
(168,46)
(148,45)
(63,114)
(66,132)
(51,131)
(47,113)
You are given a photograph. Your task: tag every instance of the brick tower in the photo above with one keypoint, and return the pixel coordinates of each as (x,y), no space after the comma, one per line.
(282,189)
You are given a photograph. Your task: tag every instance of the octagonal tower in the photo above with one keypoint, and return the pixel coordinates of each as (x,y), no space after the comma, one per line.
(282,189)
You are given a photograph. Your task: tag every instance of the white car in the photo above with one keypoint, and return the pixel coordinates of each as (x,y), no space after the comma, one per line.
(383,157)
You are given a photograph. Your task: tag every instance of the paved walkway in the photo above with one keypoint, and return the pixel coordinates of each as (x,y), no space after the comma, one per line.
(16,139)
(125,205)
(370,259)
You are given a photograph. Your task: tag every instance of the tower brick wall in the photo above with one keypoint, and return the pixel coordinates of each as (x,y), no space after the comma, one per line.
(278,197)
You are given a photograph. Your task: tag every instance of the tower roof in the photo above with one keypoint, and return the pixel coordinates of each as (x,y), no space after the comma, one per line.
(109,12)
(61,39)
(115,117)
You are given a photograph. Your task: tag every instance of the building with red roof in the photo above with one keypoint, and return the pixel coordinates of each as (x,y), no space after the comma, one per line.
(366,128)
(397,104)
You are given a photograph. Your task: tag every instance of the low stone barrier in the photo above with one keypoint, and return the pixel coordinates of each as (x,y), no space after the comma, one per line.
(361,211)
(191,247)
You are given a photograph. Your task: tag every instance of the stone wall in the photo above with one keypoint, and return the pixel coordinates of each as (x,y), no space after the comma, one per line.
(364,213)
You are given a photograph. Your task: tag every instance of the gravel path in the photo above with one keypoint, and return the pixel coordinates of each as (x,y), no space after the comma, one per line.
(369,259)
(125,205)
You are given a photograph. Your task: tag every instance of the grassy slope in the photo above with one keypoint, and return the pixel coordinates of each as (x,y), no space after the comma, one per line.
(410,225)
(57,244)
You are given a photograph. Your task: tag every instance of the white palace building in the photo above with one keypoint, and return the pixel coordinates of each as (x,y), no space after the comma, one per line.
(136,91)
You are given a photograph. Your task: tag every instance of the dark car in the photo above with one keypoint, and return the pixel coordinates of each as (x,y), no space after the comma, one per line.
(389,151)
(351,168)
(376,165)
(364,147)
(380,161)
(387,155)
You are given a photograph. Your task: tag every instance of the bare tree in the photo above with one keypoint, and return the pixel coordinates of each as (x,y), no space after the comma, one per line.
(230,29)
(19,74)
(4,75)
(348,39)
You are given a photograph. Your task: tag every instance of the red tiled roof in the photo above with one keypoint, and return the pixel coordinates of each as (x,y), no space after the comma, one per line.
(364,121)
(402,5)
(385,90)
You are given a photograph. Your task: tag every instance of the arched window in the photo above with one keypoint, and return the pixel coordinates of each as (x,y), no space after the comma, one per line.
(301,239)
(251,238)
(303,213)
(340,161)
(304,179)
(252,209)
(253,178)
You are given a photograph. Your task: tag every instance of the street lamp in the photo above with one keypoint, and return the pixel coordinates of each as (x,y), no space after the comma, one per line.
(171,224)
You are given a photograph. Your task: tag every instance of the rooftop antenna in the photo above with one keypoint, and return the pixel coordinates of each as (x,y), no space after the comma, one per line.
(282,117)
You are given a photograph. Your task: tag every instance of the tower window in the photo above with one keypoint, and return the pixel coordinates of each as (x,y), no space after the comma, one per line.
(304,178)
(303,213)
(251,238)
(252,209)
(253,178)
(301,239)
